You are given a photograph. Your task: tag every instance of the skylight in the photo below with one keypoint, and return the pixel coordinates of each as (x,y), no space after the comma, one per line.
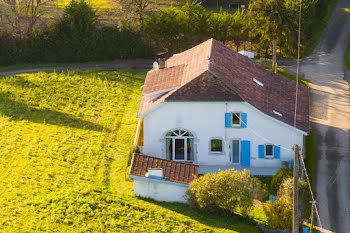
(258,82)
(277,113)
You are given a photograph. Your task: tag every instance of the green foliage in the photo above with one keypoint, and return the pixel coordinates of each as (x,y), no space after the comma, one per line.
(310,164)
(179,28)
(65,139)
(316,24)
(8,49)
(77,37)
(284,73)
(278,178)
(214,192)
(285,191)
(278,214)
(270,21)
(265,180)
(347,57)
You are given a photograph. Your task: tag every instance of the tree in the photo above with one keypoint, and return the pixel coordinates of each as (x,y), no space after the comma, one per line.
(137,7)
(272,21)
(229,27)
(23,16)
(178,28)
(226,191)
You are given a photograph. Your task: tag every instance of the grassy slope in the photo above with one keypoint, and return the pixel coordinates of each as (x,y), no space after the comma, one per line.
(347,57)
(284,73)
(310,164)
(64,140)
(20,66)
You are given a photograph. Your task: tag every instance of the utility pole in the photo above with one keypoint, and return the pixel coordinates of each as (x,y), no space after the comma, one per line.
(295,190)
(312,215)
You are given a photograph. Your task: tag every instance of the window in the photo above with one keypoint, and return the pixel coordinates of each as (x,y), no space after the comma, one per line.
(216,145)
(179,145)
(269,151)
(236,119)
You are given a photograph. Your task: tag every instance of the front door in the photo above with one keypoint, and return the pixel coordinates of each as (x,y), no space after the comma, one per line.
(179,148)
(235,151)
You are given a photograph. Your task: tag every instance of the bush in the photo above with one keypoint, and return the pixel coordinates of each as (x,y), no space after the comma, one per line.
(279,214)
(8,49)
(285,191)
(226,191)
(278,178)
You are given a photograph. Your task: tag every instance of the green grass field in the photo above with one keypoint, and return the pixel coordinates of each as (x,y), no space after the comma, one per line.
(64,144)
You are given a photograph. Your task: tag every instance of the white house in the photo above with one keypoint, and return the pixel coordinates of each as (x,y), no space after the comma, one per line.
(218,109)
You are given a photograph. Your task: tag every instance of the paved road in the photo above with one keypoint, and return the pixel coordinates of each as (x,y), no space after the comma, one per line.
(142,64)
(330,121)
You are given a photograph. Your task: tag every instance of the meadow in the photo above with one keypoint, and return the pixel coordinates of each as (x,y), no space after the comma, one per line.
(65,139)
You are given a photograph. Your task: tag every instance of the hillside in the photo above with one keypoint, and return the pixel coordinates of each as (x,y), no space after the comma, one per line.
(64,143)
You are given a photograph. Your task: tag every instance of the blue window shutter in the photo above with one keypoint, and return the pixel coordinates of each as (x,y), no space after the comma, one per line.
(261,151)
(245,153)
(243,120)
(227,120)
(277,151)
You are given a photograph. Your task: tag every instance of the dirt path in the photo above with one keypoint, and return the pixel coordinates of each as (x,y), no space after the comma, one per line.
(330,121)
(118,64)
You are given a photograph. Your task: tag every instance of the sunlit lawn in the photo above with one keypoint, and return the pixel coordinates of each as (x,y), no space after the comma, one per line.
(64,144)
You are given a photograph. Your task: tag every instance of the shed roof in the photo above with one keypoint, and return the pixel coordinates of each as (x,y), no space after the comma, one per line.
(173,171)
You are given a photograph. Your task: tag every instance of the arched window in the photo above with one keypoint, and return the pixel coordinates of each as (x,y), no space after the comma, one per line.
(179,145)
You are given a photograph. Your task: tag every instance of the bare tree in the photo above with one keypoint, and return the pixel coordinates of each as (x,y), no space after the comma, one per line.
(136,7)
(21,17)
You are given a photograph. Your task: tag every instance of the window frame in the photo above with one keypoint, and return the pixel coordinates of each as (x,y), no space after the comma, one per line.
(273,152)
(231,150)
(239,118)
(222,146)
(180,134)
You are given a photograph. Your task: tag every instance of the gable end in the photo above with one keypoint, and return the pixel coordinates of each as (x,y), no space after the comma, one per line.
(206,87)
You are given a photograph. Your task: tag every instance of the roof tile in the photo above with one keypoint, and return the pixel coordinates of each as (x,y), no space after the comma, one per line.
(173,171)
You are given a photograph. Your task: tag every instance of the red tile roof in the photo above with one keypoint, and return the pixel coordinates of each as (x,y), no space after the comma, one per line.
(232,70)
(162,79)
(173,171)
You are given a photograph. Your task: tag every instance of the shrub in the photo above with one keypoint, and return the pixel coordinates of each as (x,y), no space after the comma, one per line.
(226,191)
(279,214)
(285,191)
(278,178)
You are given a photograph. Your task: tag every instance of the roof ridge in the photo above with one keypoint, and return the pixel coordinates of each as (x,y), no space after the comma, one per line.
(180,162)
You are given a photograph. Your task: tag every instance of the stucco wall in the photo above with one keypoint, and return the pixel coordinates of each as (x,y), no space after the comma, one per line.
(160,191)
(206,120)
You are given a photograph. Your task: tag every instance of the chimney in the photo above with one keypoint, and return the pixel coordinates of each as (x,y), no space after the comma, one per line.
(161,63)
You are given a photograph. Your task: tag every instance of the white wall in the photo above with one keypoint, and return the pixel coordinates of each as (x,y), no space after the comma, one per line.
(160,191)
(207,120)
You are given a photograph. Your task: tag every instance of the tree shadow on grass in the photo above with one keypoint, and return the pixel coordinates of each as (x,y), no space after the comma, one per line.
(21,111)
(212,219)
